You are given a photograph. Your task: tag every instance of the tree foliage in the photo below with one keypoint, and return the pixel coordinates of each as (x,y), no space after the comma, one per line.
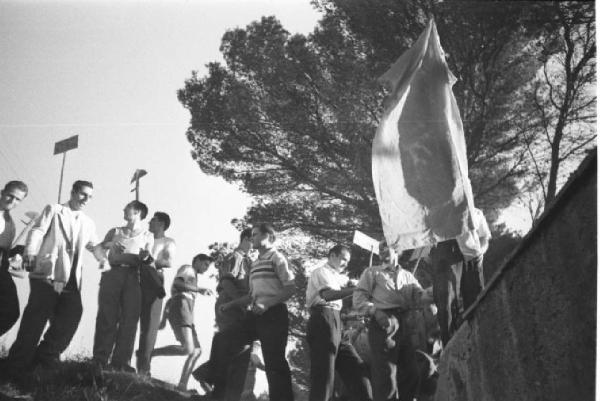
(561,103)
(286,118)
(292,117)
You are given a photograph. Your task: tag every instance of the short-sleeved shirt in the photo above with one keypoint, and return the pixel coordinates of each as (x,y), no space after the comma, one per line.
(235,269)
(269,273)
(387,287)
(189,277)
(324,278)
(469,243)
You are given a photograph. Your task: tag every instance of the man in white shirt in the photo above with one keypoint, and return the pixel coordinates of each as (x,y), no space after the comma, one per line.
(12,194)
(326,288)
(119,296)
(152,284)
(53,254)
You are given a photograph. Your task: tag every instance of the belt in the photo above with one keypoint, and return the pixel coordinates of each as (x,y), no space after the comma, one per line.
(121,265)
(395,311)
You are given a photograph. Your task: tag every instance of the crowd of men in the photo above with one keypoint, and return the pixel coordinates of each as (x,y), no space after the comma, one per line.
(250,309)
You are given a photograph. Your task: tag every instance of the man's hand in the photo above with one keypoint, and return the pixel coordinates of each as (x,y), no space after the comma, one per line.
(382,319)
(104,264)
(15,264)
(59,286)
(225,307)
(118,247)
(258,309)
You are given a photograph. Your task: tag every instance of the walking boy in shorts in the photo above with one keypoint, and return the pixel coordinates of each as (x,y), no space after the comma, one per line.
(179,310)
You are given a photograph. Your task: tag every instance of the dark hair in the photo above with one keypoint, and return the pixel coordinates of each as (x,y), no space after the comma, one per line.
(201,257)
(266,228)
(337,250)
(140,207)
(246,234)
(163,218)
(77,185)
(20,185)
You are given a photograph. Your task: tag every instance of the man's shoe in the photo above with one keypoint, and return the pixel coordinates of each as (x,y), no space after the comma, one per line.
(122,368)
(200,376)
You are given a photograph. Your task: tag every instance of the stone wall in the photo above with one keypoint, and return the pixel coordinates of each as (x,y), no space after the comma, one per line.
(532,333)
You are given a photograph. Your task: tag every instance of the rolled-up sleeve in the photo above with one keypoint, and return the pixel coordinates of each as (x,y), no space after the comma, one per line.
(282,269)
(361,298)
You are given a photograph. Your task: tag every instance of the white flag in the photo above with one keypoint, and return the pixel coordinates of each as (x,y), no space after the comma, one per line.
(419,152)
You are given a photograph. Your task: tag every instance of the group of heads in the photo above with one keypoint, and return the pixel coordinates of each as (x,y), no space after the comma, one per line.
(137,211)
(81,193)
(258,237)
(339,256)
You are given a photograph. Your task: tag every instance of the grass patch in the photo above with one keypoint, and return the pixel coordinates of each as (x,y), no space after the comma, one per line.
(81,381)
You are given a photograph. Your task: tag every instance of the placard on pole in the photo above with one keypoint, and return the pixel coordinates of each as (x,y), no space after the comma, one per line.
(63,147)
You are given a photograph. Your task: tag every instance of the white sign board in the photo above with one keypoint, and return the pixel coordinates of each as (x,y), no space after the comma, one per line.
(364,241)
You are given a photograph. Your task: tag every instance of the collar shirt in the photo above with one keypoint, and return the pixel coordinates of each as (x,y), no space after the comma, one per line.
(321,279)
(269,273)
(76,224)
(236,268)
(75,218)
(7,230)
(469,243)
(387,287)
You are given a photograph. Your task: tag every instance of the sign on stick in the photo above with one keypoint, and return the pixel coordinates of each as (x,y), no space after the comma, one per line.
(66,144)
(364,241)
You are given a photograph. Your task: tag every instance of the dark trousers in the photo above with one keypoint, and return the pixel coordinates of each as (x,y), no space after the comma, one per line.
(9,302)
(119,300)
(447,264)
(271,329)
(151,309)
(456,284)
(64,313)
(230,362)
(330,353)
(394,369)
(471,282)
(229,358)
(272,332)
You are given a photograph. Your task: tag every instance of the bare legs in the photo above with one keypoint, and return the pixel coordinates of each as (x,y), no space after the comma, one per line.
(189,346)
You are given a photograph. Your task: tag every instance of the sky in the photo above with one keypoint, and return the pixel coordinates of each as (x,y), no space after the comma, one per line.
(109,72)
